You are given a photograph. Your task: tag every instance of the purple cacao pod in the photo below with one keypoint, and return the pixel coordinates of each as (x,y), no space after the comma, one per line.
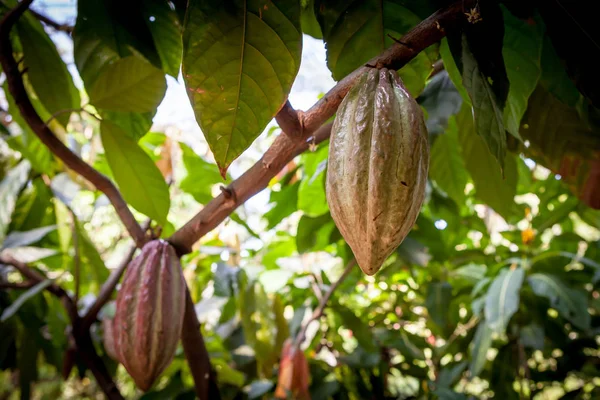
(377,170)
(149,316)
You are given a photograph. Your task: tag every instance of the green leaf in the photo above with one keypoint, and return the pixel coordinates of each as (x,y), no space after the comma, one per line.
(164,25)
(570,303)
(481,344)
(33,208)
(286,201)
(487,108)
(554,76)
(311,193)
(502,299)
(240,60)
(447,166)
(563,142)
(136,125)
(259,388)
(201,175)
(360,330)
(105,32)
(314,233)
(93,271)
(545,220)
(532,336)
(46,70)
(357,31)
(29,293)
(10,187)
(441,100)
(226,374)
(453,71)
(19,239)
(439,295)
(496,191)
(129,85)
(27,142)
(308,19)
(139,180)
(522,53)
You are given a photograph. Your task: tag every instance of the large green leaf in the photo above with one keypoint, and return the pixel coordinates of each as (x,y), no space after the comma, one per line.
(129,85)
(165,28)
(490,186)
(10,187)
(105,32)
(29,293)
(139,180)
(563,142)
(570,303)
(357,31)
(311,193)
(240,60)
(481,344)
(438,298)
(502,299)
(201,175)
(285,201)
(93,271)
(46,70)
(33,208)
(447,166)
(554,76)
(522,52)
(314,233)
(487,108)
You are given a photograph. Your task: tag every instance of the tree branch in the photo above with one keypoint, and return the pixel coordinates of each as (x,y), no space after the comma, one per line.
(289,145)
(289,120)
(81,336)
(318,312)
(58,148)
(205,380)
(52,23)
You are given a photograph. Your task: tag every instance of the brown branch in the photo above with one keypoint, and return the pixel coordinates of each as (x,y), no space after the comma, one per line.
(318,312)
(205,380)
(290,144)
(57,147)
(17,285)
(289,120)
(82,338)
(52,23)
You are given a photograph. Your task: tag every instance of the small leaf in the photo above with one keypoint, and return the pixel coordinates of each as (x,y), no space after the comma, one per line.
(447,166)
(201,175)
(311,193)
(441,101)
(226,374)
(15,305)
(46,70)
(10,187)
(502,299)
(522,52)
(571,304)
(481,344)
(313,233)
(136,125)
(129,85)
(487,108)
(439,295)
(286,201)
(496,191)
(240,60)
(19,239)
(165,28)
(139,180)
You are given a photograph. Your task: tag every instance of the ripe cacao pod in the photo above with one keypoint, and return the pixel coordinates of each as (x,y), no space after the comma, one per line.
(149,313)
(377,169)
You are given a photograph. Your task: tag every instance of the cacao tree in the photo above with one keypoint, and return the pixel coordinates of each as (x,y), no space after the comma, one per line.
(171,227)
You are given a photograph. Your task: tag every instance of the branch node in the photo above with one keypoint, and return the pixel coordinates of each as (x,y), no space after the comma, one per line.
(228,193)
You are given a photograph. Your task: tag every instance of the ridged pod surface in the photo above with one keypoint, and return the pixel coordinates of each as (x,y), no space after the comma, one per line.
(377,169)
(149,315)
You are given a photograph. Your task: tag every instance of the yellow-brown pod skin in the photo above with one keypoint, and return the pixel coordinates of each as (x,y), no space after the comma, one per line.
(377,169)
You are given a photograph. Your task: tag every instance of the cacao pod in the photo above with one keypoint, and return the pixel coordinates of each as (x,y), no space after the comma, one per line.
(294,374)
(149,313)
(377,169)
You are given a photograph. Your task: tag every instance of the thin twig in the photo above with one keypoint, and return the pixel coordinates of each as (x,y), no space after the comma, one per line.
(76,256)
(318,312)
(17,285)
(289,145)
(52,23)
(55,145)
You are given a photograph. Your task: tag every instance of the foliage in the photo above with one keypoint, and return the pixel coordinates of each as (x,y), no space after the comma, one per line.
(493,293)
